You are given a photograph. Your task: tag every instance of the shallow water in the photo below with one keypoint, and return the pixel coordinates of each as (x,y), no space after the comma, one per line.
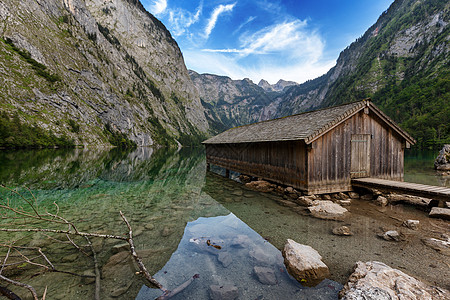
(171,203)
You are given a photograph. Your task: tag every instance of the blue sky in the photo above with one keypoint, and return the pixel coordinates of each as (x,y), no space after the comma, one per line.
(259,39)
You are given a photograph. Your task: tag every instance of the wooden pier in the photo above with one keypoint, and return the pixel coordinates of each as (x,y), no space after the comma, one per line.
(415,189)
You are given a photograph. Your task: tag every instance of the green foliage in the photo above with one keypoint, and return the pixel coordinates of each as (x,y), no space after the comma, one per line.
(74,126)
(15,134)
(160,135)
(421,106)
(117,138)
(39,68)
(414,90)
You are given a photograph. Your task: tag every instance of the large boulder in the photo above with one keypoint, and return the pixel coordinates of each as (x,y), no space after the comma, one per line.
(327,210)
(375,280)
(442,161)
(304,263)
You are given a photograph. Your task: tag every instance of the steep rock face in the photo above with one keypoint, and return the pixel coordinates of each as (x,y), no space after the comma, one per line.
(401,62)
(278,87)
(113,65)
(230,103)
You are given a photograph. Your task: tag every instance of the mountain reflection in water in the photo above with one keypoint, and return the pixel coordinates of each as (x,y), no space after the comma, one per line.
(244,264)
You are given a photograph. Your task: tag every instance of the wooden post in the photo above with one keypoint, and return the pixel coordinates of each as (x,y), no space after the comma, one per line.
(227,173)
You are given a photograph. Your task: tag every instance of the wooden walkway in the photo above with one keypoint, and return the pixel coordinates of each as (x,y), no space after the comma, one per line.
(421,190)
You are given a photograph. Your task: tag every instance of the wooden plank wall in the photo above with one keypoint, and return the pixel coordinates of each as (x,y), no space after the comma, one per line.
(329,157)
(282,162)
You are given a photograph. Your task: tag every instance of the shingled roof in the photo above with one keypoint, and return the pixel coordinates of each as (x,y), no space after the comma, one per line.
(305,126)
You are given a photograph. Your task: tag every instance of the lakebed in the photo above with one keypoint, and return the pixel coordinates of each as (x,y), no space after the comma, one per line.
(169,197)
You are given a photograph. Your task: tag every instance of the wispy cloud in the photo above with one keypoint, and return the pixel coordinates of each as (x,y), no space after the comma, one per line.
(215,15)
(158,6)
(249,20)
(288,38)
(180,19)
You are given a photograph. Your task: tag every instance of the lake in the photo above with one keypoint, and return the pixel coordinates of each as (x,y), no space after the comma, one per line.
(177,211)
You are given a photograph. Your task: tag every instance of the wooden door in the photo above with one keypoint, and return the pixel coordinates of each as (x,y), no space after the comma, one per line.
(360,152)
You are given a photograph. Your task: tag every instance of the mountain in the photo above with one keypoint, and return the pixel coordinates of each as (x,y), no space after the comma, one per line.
(278,87)
(231,103)
(401,62)
(93,72)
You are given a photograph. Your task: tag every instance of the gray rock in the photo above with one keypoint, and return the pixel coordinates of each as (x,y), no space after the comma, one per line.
(439,212)
(391,235)
(346,202)
(442,161)
(381,201)
(414,200)
(260,256)
(342,230)
(223,292)
(411,224)
(304,201)
(377,281)
(326,197)
(442,246)
(353,195)
(304,263)
(265,275)
(225,259)
(327,210)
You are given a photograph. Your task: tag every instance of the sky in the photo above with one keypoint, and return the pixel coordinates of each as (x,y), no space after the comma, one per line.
(294,40)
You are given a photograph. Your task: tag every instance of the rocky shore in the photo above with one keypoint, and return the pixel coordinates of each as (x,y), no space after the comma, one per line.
(371,279)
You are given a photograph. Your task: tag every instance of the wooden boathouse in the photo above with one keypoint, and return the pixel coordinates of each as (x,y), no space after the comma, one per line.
(317,152)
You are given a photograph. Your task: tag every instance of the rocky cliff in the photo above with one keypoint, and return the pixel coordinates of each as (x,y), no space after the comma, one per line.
(231,103)
(92,70)
(401,62)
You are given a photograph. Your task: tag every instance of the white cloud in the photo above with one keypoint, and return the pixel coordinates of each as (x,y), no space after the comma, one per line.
(158,7)
(226,65)
(249,20)
(215,15)
(180,20)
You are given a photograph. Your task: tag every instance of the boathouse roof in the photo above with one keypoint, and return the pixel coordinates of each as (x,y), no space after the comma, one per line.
(306,126)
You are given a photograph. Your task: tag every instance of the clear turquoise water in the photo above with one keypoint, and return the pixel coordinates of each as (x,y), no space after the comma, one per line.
(171,201)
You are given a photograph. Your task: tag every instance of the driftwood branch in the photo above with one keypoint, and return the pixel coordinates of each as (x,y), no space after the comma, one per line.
(20,284)
(97,270)
(138,260)
(109,236)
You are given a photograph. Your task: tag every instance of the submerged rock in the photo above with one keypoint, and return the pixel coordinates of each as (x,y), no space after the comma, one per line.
(223,292)
(375,280)
(265,275)
(261,186)
(225,259)
(327,210)
(304,263)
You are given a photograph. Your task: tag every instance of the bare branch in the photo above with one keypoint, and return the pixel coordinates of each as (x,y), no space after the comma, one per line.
(24,285)
(97,271)
(117,237)
(137,258)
